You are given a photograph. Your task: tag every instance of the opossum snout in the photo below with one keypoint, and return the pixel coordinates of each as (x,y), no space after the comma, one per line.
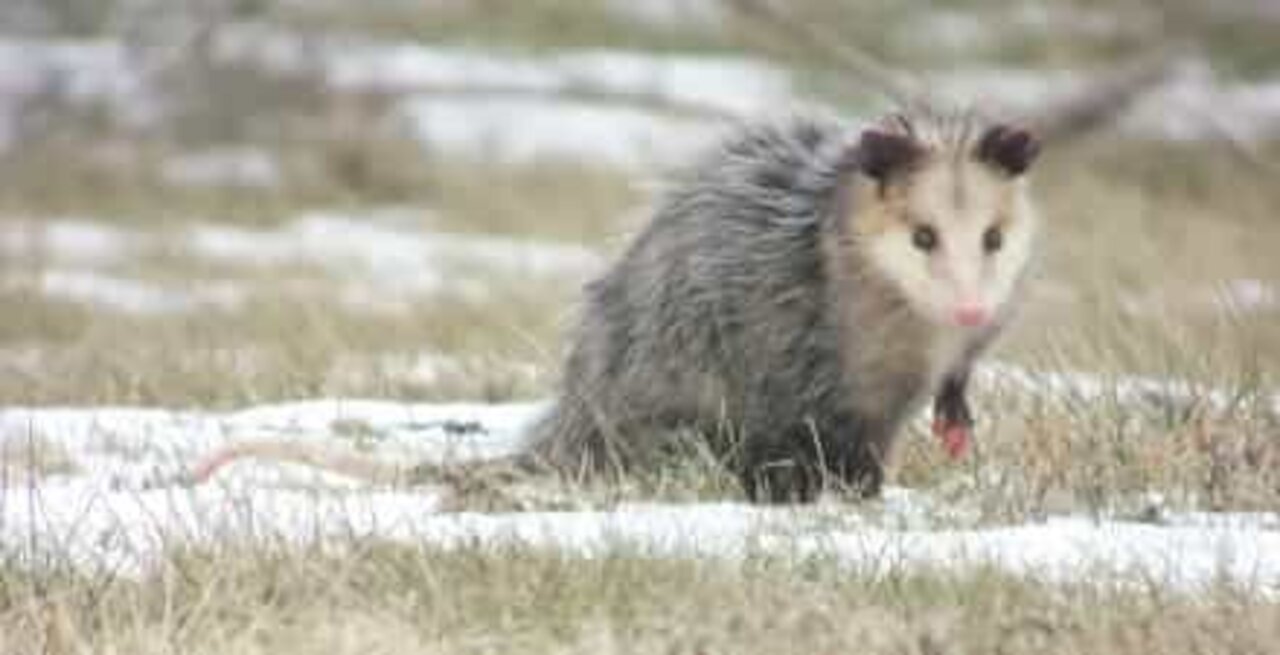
(971,315)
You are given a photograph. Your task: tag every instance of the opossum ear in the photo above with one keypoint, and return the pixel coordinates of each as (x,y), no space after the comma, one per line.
(881,154)
(1009,149)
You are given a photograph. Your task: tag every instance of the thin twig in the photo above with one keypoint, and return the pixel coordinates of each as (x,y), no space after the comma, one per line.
(1105,98)
(1096,106)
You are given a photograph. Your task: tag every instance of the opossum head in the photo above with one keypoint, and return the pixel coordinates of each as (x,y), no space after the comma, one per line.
(940,208)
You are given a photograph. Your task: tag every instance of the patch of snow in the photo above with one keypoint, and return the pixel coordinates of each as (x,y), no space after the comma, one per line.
(1073,550)
(113,515)
(470,79)
(386,243)
(1246,295)
(735,86)
(383,260)
(671,14)
(1060,19)
(730,85)
(83,73)
(81,68)
(131,448)
(1195,104)
(564,103)
(515,96)
(134,296)
(1087,387)
(1232,297)
(63,241)
(1248,520)
(523,130)
(518,109)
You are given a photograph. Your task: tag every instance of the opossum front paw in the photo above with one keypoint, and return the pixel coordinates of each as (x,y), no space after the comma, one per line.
(952,418)
(956,436)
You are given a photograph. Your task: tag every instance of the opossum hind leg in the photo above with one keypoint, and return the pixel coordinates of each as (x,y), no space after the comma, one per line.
(780,472)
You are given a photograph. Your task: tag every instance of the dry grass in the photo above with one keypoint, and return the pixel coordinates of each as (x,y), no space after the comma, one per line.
(277,347)
(1115,294)
(27,458)
(383,599)
(123,183)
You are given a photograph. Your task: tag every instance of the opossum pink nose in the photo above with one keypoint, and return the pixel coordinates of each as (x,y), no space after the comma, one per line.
(970,315)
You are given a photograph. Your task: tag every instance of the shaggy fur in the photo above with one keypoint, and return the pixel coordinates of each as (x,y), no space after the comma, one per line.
(753,309)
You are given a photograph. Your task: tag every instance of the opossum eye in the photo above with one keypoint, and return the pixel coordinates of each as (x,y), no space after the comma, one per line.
(924,238)
(992,239)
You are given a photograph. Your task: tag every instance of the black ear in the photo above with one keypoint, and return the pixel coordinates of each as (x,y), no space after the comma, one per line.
(882,154)
(1010,149)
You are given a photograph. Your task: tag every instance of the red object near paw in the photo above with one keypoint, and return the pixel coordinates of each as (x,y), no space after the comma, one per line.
(955,437)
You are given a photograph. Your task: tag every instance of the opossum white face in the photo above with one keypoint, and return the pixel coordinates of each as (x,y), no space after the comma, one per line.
(946,217)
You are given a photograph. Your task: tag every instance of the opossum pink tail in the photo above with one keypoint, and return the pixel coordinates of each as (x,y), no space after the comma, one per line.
(322,456)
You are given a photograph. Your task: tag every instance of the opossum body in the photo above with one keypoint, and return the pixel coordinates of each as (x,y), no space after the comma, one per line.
(795,299)
(804,290)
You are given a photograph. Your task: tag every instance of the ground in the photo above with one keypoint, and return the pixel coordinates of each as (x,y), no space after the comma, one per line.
(367,229)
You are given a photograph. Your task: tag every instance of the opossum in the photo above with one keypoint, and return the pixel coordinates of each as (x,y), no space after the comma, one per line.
(800,293)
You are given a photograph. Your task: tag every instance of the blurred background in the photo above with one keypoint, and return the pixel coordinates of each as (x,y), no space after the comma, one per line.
(218,202)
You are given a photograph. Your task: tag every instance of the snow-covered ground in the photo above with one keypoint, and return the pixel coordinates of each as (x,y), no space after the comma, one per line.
(378,260)
(629,108)
(523,130)
(120,504)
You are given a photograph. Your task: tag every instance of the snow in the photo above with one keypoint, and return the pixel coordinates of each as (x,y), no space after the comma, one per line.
(134,296)
(393,239)
(618,106)
(1194,104)
(388,244)
(84,73)
(729,85)
(123,508)
(1232,297)
(523,130)
(382,259)
(705,15)
(72,240)
(629,108)
(1246,295)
